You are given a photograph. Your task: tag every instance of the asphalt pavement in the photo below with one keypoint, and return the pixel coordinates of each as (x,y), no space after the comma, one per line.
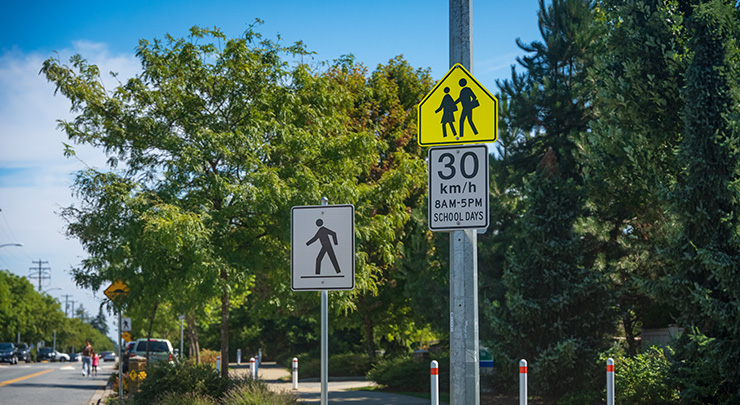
(340,390)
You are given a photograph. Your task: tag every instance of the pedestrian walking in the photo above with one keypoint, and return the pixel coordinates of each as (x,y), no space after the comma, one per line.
(86,358)
(95,358)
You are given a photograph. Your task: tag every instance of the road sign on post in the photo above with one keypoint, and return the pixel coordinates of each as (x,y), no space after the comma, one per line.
(323,247)
(458,110)
(117,290)
(458,187)
(126,324)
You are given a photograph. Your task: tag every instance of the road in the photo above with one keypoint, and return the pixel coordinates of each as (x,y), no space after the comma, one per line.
(50,383)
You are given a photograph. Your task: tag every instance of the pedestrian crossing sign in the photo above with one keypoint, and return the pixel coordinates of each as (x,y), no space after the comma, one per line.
(322,251)
(458,110)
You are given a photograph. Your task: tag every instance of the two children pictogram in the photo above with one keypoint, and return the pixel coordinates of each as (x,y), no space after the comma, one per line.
(468,102)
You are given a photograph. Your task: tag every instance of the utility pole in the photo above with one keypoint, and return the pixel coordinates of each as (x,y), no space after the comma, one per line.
(73,308)
(40,272)
(464,363)
(66,303)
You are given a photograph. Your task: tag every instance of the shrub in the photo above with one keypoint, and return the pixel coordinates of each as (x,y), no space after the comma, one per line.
(186,399)
(181,378)
(405,374)
(257,393)
(644,379)
(340,365)
(208,356)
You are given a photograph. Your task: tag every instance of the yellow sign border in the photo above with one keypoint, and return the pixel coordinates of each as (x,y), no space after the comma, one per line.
(467,141)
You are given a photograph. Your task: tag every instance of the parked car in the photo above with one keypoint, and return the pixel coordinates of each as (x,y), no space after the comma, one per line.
(127,354)
(61,356)
(159,350)
(108,356)
(47,353)
(24,352)
(75,356)
(8,353)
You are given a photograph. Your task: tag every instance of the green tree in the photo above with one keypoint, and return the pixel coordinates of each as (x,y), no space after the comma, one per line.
(556,312)
(26,311)
(629,154)
(707,248)
(220,138)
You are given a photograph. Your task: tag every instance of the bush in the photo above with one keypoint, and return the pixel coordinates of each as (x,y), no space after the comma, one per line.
(208,356)
(340,365)
(164,379)
(186,399)
(405,374)
(644,379)
(257,393)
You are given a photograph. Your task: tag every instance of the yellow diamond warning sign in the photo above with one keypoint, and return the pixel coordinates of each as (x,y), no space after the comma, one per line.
(458,110)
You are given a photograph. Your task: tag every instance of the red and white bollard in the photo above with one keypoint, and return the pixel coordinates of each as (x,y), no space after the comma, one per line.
(609,381)
(523,382)
(295,373)
(434,376)
(218,363)
(253,368)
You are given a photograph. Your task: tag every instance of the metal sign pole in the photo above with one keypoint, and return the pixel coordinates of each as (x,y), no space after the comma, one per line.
(464,378)
(120,360)
(324,338)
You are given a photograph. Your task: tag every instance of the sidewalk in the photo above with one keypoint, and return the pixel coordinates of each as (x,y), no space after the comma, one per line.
(310,392)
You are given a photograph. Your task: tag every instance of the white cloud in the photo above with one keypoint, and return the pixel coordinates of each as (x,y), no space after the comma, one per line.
(35,177)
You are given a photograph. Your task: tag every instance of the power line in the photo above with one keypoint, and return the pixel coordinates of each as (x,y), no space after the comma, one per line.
(42,273)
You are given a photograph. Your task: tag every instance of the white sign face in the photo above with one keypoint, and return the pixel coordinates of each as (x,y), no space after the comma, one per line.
(125,324)
(322,253)
(458,187)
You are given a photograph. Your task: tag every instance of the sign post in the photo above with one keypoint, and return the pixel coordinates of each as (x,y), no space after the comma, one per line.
(115,292)
(322,258)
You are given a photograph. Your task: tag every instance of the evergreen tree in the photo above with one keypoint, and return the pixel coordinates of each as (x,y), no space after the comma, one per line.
(556,313)
(99,322)
(707,201)
(629,154)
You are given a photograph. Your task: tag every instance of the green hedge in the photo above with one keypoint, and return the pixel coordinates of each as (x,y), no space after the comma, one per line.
(340,365)
(406,374)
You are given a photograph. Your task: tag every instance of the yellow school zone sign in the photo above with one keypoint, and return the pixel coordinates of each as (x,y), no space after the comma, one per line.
(458,110)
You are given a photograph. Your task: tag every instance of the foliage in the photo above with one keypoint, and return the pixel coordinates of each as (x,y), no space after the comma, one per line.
(340,365)
(556,313)
(208,356)
(404,373)
(706,250)
(36,316)
(257,393)
(181,378)
(645,378)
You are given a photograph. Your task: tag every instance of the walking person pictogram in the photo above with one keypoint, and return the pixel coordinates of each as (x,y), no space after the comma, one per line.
(448,108)
(469,101)
(322,235)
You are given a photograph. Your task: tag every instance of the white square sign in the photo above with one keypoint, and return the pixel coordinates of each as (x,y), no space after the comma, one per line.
(458,187)
(322,248)
(125,324)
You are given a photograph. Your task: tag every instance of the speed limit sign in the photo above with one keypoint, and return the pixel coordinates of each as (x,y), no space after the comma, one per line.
(458,187)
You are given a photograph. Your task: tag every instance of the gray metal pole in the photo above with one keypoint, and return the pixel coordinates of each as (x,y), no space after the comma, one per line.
(324,338)
(464,362)
(120,361)
(181,335)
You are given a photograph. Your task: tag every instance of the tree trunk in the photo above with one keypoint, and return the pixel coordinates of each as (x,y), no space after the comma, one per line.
(225,327)
(369,336)
(194,347)
(149,334)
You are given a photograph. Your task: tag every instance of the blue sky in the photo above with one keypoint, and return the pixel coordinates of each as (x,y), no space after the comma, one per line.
(35,176)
